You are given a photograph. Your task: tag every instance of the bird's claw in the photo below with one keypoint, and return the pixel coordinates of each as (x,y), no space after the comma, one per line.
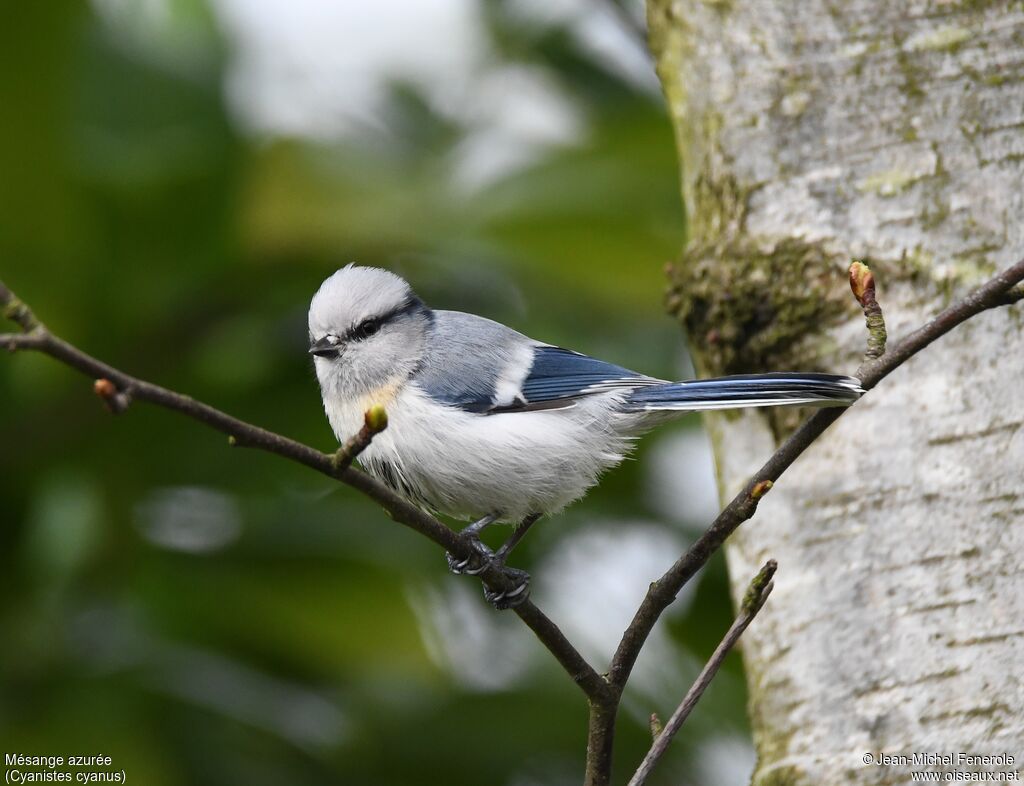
(479,560)
(513,597)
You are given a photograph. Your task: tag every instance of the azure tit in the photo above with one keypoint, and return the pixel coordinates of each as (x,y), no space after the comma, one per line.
(489,425)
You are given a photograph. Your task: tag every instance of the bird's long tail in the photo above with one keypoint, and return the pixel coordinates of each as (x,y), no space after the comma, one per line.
(754,390)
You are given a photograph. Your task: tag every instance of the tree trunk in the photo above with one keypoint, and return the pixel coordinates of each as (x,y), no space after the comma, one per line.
(811,133)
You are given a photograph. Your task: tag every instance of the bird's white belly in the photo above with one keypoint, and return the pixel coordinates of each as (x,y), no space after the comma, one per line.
(512,465)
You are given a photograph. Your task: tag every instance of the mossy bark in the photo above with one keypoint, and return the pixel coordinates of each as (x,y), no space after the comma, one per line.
(809,134)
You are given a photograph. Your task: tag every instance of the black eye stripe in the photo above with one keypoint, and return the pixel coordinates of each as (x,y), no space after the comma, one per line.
(360,331)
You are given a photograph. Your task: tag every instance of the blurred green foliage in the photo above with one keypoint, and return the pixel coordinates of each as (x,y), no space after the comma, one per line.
(210,616)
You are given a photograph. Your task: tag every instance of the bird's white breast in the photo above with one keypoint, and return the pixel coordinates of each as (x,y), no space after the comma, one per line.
(469,465)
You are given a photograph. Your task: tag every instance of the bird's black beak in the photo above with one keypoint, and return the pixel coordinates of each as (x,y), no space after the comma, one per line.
(324,348)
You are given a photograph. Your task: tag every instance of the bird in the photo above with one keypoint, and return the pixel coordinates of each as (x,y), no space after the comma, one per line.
(488,425)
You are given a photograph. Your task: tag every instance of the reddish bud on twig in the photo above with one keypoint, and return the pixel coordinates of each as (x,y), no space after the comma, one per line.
(116,401)
(104,388)
(760,489)
(862,282)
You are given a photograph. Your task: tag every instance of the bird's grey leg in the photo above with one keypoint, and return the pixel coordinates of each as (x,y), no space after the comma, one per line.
(473,530)
(521,590)
(517,535)
(482,556)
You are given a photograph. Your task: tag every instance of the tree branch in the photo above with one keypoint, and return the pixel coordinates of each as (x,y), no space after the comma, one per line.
(113,385)
(757,593)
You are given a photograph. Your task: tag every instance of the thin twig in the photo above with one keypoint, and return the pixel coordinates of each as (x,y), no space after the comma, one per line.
(117,383)
(757,593)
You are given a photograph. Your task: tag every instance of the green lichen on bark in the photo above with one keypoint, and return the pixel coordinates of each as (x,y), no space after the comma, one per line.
(750,305)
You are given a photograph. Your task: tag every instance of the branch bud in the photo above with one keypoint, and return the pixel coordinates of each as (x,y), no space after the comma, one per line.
(375,419)
(104,388)
(116,401)
(757,591)
(862,282)
(760,489)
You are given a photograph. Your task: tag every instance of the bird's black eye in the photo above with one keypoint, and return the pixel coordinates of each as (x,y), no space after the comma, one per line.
(367,328)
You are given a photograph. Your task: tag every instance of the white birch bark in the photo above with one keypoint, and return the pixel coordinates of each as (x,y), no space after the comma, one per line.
(893,131)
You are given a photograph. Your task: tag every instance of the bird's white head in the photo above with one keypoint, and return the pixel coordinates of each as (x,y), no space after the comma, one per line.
(367,331)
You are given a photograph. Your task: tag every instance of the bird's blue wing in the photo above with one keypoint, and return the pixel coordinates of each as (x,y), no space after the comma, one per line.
(484,367)
(558,377)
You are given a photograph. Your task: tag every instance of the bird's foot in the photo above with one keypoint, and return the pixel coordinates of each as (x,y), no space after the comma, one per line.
(511,598)
(479,559)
